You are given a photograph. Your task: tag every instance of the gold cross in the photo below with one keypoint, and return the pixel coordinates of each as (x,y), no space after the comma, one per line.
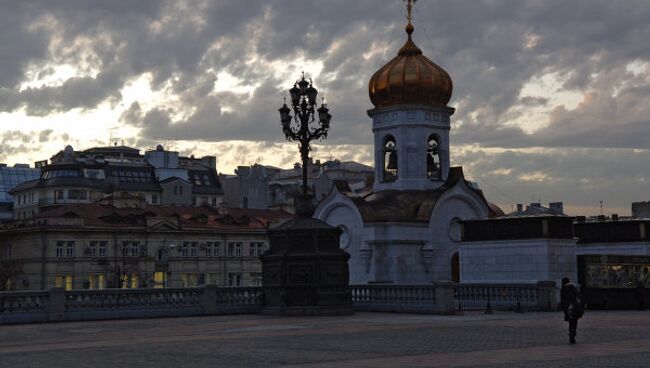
(409,9)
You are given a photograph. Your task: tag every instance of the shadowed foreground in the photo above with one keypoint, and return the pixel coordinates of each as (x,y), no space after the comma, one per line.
(605,339)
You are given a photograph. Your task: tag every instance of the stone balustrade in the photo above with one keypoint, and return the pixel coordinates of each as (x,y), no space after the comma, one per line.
(518,297)
(78,305)
(429,298)
(439,298)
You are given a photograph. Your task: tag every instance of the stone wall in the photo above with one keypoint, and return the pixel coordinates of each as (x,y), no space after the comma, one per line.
(518,261)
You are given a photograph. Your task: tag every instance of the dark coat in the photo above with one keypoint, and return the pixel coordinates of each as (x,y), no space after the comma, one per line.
(571,302)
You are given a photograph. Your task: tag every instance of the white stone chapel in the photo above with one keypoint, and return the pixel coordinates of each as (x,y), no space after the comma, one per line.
(406,229)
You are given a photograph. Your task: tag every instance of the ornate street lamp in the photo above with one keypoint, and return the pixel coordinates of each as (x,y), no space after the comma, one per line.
(302,126)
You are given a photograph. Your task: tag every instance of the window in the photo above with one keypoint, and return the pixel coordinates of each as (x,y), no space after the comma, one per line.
(256,279)
(201,279)
(234,279)
(64,281)
(189,279)
(69,251)
(92,249)
(185,249)
(130,281)
(213,249)
(234,249)
(154,199)
(135,249)
(96,282)
(193,200)
(59,249)
(214,201)
(159,280)
(162,255)
(256,249)
(102,248)
(231,249)
(58,194)
(125,249)
(193,249)
(433,159)
(134,281)
(77,194)
(390,159)
(214,279)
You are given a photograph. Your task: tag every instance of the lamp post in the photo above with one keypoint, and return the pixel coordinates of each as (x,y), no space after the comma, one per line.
(302,126)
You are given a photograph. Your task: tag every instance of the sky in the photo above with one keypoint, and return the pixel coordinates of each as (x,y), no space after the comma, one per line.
(551,96)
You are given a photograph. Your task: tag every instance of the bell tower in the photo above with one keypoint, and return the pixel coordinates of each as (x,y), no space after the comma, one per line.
(411,119)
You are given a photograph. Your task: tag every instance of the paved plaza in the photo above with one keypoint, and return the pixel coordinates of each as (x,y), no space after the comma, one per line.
(504,339)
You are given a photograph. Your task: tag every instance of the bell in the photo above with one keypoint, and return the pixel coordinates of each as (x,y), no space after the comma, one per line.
(392,161)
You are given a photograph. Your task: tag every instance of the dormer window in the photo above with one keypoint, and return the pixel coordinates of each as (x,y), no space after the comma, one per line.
(390,158)
(434,171)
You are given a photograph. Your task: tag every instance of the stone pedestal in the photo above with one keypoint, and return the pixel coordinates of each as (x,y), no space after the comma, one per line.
(305,272)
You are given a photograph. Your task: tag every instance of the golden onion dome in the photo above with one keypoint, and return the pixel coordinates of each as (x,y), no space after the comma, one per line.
(410,79)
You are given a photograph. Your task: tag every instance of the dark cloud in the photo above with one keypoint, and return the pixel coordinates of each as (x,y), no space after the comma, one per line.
(492,49)
(580,177)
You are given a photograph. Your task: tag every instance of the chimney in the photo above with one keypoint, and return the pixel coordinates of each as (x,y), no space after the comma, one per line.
(520,208)
(557,207)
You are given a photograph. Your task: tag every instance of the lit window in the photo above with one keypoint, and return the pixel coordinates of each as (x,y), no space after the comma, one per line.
(159,279)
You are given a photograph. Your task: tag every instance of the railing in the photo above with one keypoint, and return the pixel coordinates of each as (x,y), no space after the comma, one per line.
(441,298)
(23,306)
(516,297)
(429,298)
(78,305)
(115,303)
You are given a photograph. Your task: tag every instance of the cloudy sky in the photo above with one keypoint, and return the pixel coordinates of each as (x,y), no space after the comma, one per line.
(551,95)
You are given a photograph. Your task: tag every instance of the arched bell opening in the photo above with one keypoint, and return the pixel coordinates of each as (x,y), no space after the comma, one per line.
(434,168)
(390,159)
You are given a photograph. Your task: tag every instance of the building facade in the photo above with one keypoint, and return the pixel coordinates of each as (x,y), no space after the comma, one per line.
(95,246)
(107,173)
(260,186)
(10,177)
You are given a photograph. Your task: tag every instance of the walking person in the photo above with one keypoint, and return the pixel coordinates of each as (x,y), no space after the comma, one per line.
(572,305)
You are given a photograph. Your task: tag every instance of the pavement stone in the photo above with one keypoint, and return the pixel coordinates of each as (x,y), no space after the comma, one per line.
(504,339)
